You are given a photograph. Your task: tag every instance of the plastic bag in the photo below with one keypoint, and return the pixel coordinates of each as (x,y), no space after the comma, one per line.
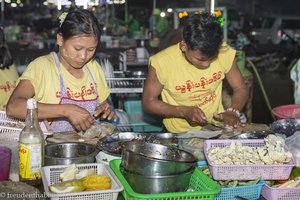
(295,76)
(293,143)
(98,130)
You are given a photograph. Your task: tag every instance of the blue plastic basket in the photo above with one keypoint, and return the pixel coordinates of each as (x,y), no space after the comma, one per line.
(247,192)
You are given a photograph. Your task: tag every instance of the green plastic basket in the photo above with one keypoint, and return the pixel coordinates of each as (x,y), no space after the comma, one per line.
(202,186)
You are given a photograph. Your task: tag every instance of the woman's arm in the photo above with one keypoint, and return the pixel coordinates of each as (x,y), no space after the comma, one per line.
(17,107)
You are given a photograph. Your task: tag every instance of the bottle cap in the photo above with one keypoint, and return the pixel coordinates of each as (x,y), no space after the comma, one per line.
(31,103)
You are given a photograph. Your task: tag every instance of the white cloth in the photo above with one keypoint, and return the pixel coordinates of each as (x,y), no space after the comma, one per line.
(295,76)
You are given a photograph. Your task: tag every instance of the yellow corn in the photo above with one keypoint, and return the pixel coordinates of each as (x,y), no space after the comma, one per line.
(96,182)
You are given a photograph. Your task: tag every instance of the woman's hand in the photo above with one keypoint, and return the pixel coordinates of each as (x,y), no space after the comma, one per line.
(79,117)
(105,111)
(193,115)
(229,118)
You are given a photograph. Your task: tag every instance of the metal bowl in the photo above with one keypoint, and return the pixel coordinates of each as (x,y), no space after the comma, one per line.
(158,183)
(286,127)
(155,159)
(69,153)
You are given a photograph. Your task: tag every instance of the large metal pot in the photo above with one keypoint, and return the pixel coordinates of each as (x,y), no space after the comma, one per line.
(69,153)
(158,183)
(155,159)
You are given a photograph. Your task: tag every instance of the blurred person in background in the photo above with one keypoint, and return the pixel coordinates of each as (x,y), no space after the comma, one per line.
(158,25)
(8,72)
(133,26)
(172,36)
(69,85)
(184,82)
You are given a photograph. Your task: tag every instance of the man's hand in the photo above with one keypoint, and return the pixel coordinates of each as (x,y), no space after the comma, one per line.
(230,119)
(193,115)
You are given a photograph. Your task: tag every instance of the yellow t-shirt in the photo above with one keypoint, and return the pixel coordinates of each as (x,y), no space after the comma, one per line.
(8,78)
(44,76)
(187,85)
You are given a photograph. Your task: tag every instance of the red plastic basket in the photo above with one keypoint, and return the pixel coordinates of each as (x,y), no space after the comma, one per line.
(287,111)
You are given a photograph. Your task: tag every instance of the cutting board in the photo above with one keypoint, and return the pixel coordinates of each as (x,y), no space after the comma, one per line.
(249,127)
(70,137)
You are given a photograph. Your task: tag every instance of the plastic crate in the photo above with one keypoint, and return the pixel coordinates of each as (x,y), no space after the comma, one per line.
(270,193)
(140,121)
(203,187)
(247,172)
(50,175)
(10,127)
(287,111)
(247,191)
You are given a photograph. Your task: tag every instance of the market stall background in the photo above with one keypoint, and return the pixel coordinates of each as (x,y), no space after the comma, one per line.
(30,32)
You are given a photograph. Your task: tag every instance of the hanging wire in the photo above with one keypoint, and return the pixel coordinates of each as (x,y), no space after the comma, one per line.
(262,88)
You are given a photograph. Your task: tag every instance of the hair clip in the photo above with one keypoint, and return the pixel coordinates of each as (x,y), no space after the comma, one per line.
(62,18)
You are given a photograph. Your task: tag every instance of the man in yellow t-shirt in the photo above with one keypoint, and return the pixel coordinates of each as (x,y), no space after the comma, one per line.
(189,77)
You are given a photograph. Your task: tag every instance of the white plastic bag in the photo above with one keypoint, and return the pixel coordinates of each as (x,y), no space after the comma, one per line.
(293,143)
(295,76)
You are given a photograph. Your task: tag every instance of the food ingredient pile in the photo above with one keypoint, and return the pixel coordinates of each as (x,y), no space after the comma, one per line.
(75,180)
(273,152)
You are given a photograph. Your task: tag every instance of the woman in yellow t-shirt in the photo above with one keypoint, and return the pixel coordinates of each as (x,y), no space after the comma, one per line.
(69,85)
(8,72)
(188,76)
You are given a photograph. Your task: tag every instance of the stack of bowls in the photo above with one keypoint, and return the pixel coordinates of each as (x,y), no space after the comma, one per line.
(155,168)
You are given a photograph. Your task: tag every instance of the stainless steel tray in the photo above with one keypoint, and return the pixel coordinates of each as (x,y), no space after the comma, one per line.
(112,144)
(252,135)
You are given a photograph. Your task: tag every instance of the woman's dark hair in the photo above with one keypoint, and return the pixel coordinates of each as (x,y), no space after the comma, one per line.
(5,56)
(80,22)
(203,32)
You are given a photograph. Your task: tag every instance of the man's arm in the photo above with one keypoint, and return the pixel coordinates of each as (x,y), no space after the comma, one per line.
(152,104)
(230,117)
(240,91)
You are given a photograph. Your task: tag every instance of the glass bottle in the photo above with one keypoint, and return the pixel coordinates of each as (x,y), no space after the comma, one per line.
(31,147)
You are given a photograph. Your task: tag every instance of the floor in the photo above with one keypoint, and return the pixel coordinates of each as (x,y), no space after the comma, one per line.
(279,90)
